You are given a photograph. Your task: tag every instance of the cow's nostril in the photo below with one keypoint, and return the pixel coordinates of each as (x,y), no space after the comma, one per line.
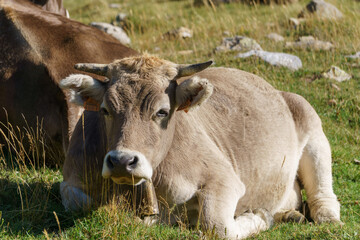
(133,161)
(110,162)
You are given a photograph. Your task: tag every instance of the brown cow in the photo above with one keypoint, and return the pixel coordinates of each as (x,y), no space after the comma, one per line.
(38,49)
(241,149)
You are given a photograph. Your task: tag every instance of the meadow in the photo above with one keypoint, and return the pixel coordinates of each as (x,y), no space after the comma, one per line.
(30,203)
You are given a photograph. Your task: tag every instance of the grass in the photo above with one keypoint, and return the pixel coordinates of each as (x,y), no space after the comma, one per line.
(29,198)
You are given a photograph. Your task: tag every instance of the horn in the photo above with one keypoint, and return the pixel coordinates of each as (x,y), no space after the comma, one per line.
(187,70)
(99,69)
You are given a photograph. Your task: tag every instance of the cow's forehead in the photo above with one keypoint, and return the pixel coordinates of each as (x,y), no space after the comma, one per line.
(142,68)
(123,93)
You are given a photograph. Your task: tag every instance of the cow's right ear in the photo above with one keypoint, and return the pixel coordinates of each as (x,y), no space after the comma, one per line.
(84,88)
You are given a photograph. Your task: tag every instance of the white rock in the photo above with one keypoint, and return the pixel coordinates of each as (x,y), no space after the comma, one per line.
(114,5)
(309,42)
(276,37)
(295,22)
(181,32)
(114,31)
(355,56)
(120,17)
(322,9)
(337,74)
(238,43)
(274,58)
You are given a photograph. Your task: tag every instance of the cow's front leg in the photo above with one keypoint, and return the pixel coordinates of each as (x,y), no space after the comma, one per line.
(218,203)
(73,198)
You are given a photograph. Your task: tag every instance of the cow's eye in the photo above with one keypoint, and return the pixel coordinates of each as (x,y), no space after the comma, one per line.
(104,111)
(162,113)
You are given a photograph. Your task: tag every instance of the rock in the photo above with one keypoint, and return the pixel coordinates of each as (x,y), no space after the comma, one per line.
(250,2)
(309,42)
(226,33)
(336,87)
(120,17)
(337,74)
(186,52)
(114,31)
(274,58)
(238,43)
(114,5)
(355,56)
(321,9)
(295,22)
(275,37)
(180,32)
(332,102)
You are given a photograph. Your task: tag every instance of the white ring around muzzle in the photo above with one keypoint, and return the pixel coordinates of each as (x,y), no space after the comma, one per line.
(142,170)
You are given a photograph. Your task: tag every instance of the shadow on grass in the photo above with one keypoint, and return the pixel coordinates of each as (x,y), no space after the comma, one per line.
(31,208)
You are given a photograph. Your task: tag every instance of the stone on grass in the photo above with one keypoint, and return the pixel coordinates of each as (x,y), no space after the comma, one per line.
(238,43)
(337,74)
(289,61)
(295,22)
(121,17)
(114,31)
(321,9)
(355,56)
(226,33)
(336,87)
(251,2)
(114,5)
(181,32)
(309,42)
(275,37)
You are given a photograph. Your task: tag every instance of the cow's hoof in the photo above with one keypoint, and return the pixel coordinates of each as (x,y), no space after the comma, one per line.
(265,215)
(289,216)
(325,215)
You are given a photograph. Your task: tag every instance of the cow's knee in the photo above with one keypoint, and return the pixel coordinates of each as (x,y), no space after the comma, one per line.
(74,199)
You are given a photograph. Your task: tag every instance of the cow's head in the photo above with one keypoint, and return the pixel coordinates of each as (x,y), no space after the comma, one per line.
(138,104)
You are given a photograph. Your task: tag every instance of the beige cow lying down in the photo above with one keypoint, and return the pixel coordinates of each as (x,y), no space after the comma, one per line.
(220,141)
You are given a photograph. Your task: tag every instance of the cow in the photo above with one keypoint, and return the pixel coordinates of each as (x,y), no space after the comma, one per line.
(38,49)
(219,144)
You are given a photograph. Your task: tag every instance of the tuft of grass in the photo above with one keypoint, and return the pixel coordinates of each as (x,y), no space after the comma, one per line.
(29,191)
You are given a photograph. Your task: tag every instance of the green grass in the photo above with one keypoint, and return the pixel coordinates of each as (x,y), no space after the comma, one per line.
(29,196)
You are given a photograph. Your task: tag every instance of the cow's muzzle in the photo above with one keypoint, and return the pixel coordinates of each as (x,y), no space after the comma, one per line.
(126,167)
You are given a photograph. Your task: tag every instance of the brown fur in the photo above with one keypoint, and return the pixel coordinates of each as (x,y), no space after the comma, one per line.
(38,49)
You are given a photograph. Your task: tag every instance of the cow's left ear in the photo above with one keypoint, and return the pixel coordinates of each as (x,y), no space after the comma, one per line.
(84,90)
(192,92)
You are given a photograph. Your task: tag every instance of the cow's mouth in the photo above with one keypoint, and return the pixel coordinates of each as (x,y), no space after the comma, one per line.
(128,181)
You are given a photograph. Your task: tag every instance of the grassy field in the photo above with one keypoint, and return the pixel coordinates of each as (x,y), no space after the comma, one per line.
(30,202)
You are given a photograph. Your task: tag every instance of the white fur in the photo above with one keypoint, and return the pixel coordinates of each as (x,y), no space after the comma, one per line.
(82,86)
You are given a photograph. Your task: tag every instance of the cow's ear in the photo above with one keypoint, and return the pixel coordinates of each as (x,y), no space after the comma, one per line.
(192,92)
(84,89)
